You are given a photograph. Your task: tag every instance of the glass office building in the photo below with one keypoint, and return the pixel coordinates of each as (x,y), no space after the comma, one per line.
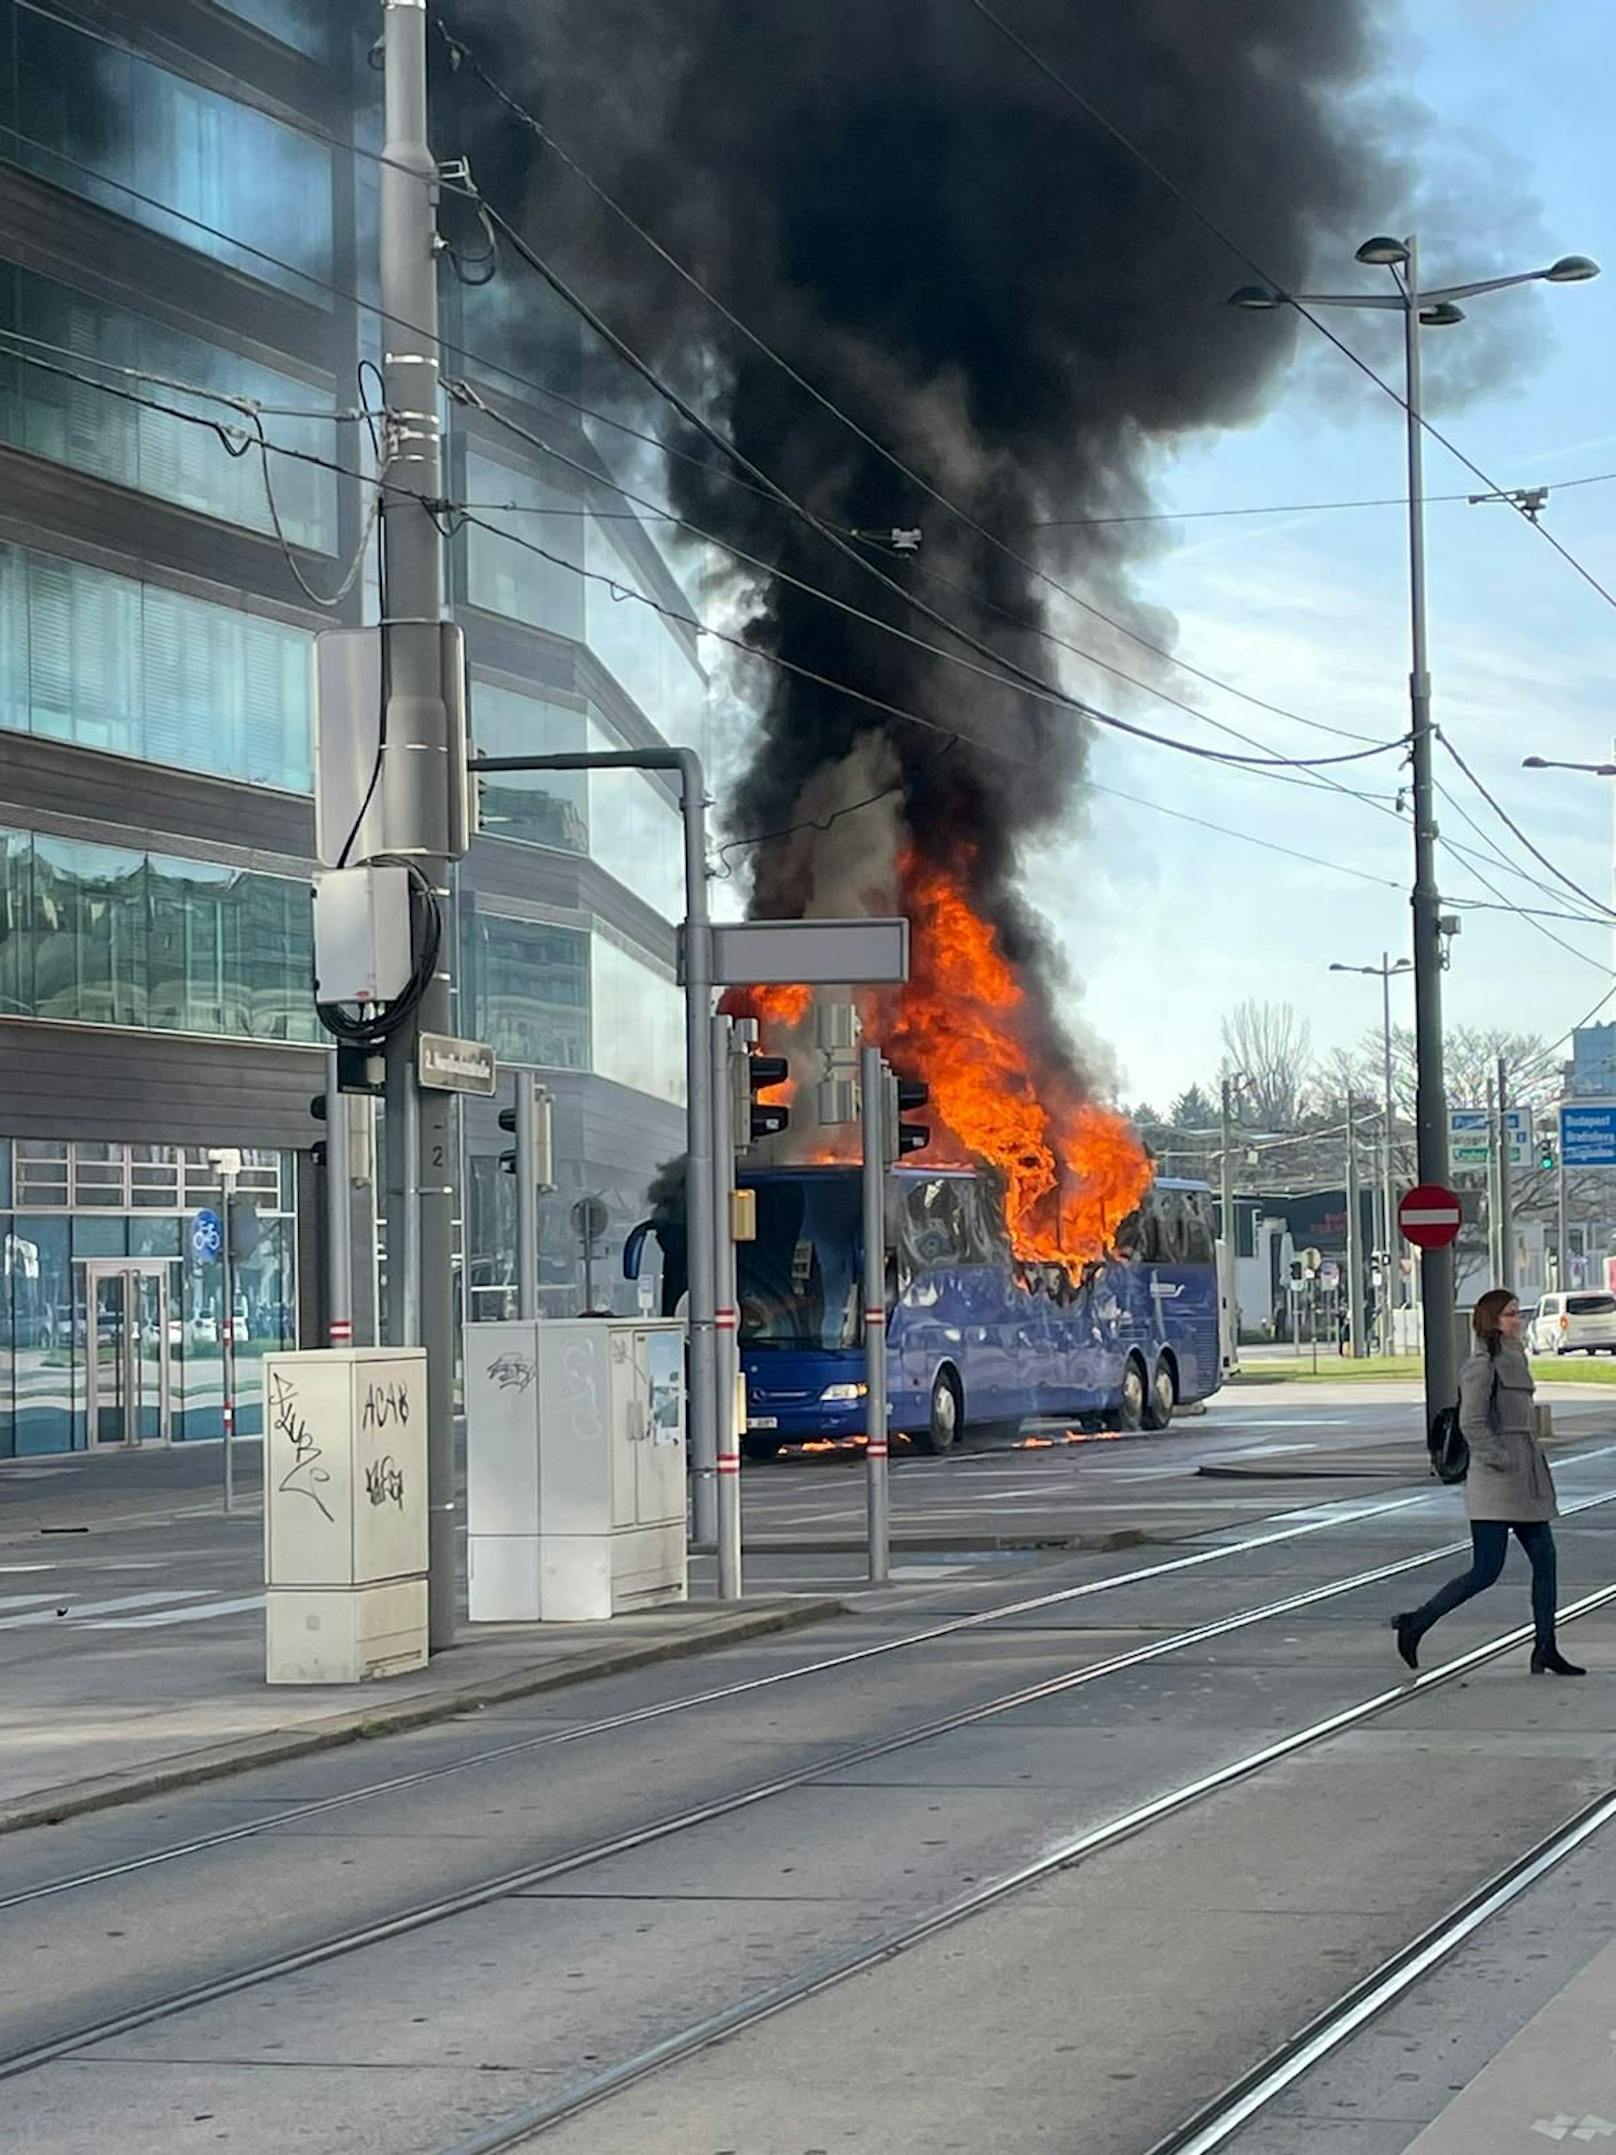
(182,219)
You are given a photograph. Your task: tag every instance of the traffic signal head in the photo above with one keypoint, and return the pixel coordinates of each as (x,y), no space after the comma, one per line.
(318,1108)
(507,1122)
(1545,1156)
(911,1094)
(767,1119)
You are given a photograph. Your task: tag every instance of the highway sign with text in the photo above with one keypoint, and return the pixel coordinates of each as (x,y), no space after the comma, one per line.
(1588,1133)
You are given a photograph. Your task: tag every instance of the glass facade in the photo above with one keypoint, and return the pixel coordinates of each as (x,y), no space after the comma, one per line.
(306,25)
(622,819)
(113,127)
(98,936)
(504,576)
(78,424)
(651,658)
(81,1270)
(106,662)
(639,1023)
(527,987)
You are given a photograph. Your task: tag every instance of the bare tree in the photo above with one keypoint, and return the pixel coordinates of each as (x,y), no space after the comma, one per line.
(1271,1046)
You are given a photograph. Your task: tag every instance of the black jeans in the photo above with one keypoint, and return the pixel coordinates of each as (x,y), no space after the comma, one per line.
(1489,1542)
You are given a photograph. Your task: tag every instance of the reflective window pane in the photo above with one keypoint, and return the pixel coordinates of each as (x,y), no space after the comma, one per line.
(504,575)
(639,1022)
(650,657)
(637,834)
(217,176)
(305,24)
(543,808)
(75,422)
(528,989)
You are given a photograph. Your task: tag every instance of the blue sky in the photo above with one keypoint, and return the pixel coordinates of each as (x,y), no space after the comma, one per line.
(1167,925)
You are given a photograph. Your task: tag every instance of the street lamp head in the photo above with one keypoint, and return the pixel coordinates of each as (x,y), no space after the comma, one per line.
(1257,297)
(1383,253)
(1442,316)
(1534,763)
(1572,269)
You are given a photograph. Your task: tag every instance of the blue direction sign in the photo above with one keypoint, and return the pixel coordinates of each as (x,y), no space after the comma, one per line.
(207,1237)
(1588,1133)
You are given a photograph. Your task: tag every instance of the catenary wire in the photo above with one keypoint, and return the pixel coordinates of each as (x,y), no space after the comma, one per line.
(1296,508)
(1511,825)
(1210,224)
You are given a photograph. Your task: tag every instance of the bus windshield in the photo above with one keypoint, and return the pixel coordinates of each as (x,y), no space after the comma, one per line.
(800,1280)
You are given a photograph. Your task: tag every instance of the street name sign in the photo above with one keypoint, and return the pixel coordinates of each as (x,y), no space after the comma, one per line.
(1588,1133)
(1430,1216)
(449,1065)
(810,953)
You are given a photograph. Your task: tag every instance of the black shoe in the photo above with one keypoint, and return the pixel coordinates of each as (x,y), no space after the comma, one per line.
(1549,1661)
(1408,1638)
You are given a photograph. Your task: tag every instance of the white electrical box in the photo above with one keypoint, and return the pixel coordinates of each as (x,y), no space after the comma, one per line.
(362,948)
(345,1514)
(575,1468)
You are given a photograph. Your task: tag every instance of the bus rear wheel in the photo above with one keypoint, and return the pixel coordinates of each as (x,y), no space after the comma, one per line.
(1134,1395)
(1162,1396)
(942,1429)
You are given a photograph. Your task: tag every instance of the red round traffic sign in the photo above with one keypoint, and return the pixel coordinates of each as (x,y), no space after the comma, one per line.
(1430,1216)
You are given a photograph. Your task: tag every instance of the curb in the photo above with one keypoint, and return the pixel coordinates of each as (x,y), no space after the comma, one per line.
(216,1762)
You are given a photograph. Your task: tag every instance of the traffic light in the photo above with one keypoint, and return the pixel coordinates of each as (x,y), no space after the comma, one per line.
(318,1109)
(904,1096)
(750,1074)
(1545,1155)
(531,1100)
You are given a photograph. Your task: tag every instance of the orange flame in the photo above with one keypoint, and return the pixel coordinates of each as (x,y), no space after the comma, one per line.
(1072,1170)
(782,1007)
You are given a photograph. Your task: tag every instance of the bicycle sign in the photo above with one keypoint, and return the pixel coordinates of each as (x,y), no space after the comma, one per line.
(207,1237)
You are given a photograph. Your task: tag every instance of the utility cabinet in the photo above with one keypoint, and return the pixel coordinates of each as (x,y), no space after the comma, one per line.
(575,1468)
(345,1514)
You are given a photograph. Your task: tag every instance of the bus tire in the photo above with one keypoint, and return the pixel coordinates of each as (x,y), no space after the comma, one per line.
(1134,1395)
(761,1449)
(942,1429)
(1162,1396)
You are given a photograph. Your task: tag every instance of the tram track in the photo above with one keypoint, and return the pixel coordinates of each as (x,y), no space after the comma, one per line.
(520,2128)
(526,1878)
(717,1695)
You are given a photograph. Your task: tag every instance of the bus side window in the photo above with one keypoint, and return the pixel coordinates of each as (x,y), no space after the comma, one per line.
(1131,1236)
(1199,1244)
(934,1225)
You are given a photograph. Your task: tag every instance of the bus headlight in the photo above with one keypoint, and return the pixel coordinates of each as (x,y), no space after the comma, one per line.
(841,1394)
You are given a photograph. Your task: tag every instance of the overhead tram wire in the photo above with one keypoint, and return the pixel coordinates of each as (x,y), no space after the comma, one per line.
(1291,508)
(1511,825)
(1209,223)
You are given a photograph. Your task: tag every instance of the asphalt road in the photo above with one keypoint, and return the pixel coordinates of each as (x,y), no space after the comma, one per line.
(1159,1863)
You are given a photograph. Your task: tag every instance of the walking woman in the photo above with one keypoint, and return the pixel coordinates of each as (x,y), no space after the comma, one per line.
(1508,1490)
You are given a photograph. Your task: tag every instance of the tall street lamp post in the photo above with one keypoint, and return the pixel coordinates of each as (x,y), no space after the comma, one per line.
(1385,972)
(1423,309)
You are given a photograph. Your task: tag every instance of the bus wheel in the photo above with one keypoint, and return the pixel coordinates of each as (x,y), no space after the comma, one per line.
(942,1429)
(1162,1396)
(1131,1405)
(761,1449)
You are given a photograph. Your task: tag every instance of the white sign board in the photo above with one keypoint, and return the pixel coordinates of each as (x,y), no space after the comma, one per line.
(1470,1136)
(810,953)
(448,1065)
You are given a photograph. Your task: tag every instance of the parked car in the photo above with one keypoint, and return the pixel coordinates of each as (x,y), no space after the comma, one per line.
(1574,1324)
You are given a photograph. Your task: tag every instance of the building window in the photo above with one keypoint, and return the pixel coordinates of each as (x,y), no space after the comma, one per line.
(108,663)
(504,575)
(92,935)
(637,834)
(305,25)
(232,183)
(528,985)
(651,659)
(638,1022)
(75,422)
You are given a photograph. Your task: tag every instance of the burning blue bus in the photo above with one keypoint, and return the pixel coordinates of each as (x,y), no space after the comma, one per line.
(976,1339)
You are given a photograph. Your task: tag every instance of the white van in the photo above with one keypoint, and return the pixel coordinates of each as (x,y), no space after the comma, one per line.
(1574,1324)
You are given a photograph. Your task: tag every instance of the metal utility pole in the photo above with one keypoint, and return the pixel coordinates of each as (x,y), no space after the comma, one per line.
(1388,1201)
(1562,1224)
(1231,1085)
(1357,1345)
(338,1211)
(1430,1099)
(1506,1195)
(227,1331)
(725,1361)
(872,1118)
(527,1197)
(418,780)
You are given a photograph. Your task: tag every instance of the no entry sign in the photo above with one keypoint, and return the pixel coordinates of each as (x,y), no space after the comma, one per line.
(1430,1216)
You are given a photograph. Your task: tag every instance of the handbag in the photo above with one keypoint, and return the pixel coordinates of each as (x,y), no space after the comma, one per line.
(1447,1443)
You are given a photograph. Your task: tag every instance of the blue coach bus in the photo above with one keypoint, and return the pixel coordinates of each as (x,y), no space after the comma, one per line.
(975,1339)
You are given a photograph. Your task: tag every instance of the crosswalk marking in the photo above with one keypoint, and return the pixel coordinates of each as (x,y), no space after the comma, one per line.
(179,1616)
(76,1612)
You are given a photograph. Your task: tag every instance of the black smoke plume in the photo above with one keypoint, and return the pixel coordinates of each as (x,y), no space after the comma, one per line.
(981,278)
